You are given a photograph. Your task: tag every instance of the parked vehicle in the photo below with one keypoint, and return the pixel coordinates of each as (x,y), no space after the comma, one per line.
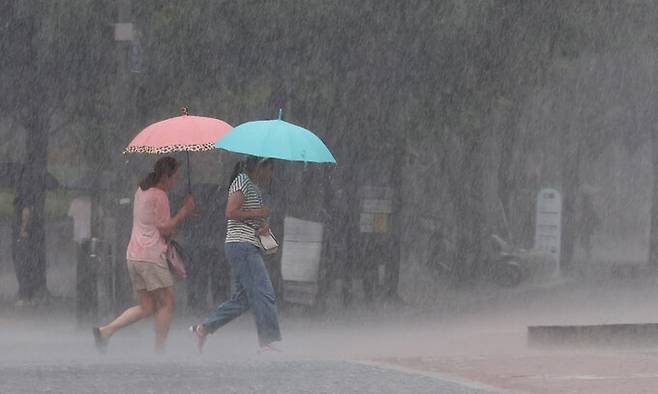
(503,265)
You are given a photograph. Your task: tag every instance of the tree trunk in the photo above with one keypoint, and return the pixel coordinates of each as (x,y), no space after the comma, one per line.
(34,181)
(653,235)
(507,182)
(478,217)
(468,196)
(570,180)
(35,170)
(393,263)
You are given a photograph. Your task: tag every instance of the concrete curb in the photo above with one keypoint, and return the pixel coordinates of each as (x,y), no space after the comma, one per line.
(641,334)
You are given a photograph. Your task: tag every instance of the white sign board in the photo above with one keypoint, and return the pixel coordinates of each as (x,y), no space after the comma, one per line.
(376,208)
(302,247)
(124,32)
(548,230)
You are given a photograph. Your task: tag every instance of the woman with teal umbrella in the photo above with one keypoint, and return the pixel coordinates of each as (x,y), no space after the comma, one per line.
(247,218)
(273,139)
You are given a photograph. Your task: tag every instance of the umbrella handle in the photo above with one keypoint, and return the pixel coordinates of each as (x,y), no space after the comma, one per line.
(186,112)
(189,176)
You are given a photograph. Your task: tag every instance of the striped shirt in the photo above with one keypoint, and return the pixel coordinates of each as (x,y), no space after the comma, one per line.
(245,230)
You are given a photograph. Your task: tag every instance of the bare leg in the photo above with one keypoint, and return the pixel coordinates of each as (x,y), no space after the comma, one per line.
(130,315)
(165,305)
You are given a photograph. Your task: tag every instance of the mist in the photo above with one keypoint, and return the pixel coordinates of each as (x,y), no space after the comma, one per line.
(495,166)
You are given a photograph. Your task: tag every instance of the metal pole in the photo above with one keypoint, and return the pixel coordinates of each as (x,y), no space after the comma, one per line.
(119,294)
(189,175)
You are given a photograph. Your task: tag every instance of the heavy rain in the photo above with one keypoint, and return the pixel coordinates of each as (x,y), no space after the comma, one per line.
(490,222)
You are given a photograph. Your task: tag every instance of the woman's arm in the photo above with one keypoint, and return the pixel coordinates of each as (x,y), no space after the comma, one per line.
(169,226)
(26,216)
(234,209)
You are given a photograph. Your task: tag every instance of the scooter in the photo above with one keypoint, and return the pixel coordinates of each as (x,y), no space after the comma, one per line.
(505,265)
(503,262)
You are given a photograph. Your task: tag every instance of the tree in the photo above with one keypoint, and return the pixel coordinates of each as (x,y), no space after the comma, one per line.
(52,80)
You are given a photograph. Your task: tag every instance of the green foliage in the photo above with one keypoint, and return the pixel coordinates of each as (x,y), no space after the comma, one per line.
(57,205)
(6,206)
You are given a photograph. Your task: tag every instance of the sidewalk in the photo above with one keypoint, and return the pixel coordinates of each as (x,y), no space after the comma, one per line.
(552,372)
(492,350)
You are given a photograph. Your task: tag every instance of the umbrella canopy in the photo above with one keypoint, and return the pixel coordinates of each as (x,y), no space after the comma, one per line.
(184,133)
(276,139)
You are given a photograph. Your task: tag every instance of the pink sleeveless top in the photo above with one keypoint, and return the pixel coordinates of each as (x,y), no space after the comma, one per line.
(150,209)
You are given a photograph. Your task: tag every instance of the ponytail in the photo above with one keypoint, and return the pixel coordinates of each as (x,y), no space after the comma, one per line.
(165,166)
(148,182)
(237,169)
(248,165)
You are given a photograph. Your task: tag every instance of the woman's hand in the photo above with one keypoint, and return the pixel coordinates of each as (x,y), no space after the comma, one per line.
(188,204)
(168,228)
(264,228)
(264,212)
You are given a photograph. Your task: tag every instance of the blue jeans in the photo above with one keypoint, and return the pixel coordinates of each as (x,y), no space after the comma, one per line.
(252,288)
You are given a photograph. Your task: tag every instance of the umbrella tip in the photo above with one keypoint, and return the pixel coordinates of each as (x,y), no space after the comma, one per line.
(185,111)
(280,113)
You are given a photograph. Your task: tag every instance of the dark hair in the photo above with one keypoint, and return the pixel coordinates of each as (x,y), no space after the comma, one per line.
(249,164)
(165,166)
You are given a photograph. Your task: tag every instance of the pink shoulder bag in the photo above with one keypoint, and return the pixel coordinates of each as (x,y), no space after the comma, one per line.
(176,258)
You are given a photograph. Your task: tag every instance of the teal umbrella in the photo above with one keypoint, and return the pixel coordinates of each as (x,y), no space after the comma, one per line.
(276,139)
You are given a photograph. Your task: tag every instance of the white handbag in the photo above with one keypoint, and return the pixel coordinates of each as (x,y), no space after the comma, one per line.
(268,243)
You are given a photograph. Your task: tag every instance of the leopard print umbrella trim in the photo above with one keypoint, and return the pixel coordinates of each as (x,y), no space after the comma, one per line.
(170,148)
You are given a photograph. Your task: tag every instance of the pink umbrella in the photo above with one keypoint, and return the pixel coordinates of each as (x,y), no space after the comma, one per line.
(184,133)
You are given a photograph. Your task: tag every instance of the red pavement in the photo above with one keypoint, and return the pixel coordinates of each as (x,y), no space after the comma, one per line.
(549,372)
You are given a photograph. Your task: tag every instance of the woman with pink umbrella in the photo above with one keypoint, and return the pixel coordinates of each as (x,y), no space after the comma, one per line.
(149,273)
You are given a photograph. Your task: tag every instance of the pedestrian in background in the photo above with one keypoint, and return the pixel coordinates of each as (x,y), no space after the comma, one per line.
(203,239)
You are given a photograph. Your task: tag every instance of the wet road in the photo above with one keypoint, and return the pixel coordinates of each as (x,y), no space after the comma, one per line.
(227,377)
(51,355)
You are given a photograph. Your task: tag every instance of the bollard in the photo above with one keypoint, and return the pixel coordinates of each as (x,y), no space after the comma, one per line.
(86,282)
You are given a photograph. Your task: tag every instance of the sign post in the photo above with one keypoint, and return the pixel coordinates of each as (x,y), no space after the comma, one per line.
(549,221)
(376,209)
(300,261)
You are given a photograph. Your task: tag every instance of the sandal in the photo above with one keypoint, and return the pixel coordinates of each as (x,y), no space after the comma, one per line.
(101,343)
(200,338)
(269,348)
